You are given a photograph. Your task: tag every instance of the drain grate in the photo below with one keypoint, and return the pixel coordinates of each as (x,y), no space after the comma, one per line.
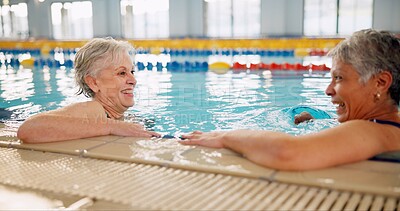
(156,187)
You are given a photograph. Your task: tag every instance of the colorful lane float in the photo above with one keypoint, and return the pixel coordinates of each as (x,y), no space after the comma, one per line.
(219,67)
(275,66)
(223,52)
(174,66)
(298,52)
(28,62)
(318,52)
(37,57)
(50,62)
(47,57)
(223,67)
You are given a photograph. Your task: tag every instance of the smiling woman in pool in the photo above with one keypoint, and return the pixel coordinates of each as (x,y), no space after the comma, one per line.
(365,87)
(104,72)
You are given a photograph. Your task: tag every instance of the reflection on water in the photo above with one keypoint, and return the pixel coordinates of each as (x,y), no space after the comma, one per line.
(166,150)
(183,102)
(158,149)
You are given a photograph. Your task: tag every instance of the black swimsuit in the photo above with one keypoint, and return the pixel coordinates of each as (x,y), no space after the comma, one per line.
(385,122)
(387,156)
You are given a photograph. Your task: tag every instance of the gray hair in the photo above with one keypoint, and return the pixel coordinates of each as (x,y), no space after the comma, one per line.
(371,52)
(95,56)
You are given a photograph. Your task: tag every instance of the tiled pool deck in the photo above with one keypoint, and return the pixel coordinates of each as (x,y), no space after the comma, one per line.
(113,172)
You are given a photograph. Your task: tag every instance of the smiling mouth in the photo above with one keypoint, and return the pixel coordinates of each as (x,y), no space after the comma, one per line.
(127,91)
(339,105)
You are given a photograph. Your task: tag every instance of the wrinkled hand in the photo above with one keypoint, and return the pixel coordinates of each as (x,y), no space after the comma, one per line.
(211,139)
(302,117)
(121,128)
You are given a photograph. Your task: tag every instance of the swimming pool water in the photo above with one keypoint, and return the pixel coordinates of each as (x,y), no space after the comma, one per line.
(178,102)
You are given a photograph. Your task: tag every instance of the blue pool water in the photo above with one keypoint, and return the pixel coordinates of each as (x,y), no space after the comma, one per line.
(177,102)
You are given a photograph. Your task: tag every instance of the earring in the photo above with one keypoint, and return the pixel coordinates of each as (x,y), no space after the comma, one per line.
(377,97)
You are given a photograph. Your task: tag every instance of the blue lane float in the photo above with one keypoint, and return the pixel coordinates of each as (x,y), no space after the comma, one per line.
(187,66)
(223,52)
(159,66)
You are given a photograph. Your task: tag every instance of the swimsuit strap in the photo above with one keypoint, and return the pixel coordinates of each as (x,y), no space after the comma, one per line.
(385,122)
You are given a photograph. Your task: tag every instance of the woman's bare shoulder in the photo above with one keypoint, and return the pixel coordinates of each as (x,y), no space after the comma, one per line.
(386,134)
(89,108)
(358,131)
(85,105)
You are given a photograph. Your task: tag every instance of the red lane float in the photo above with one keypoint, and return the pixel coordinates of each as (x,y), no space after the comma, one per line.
(239,66)
(318,52)
(321,67)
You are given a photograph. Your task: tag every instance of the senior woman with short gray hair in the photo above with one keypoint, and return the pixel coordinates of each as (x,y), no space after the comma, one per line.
(365,89)
(104,72)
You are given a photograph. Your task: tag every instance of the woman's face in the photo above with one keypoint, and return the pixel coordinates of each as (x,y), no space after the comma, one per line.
(116,84)
(353,99)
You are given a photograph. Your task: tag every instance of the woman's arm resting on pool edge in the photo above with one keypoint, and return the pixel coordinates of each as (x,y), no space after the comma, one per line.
(80,120)
(50,128)
(349,142)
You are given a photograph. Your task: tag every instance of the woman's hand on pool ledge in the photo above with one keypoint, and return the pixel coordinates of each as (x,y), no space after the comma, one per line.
(211,139)
(130,129)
